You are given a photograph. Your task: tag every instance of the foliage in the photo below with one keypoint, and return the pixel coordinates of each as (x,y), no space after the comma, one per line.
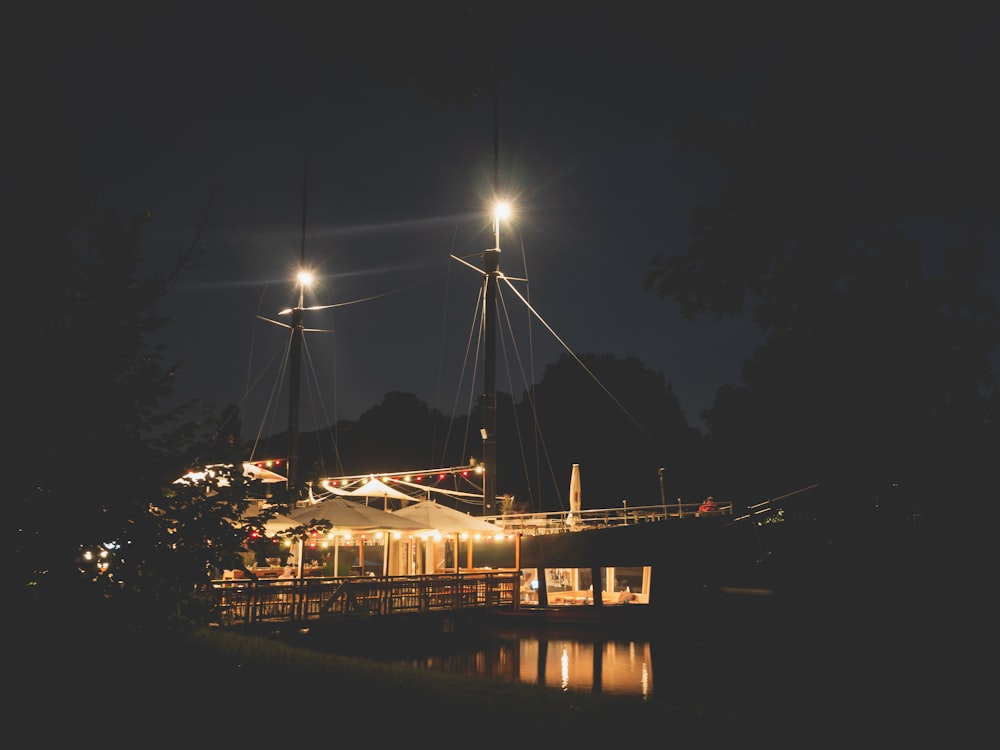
(856,223)
(620,421)
(95,485)
(100,452)
(613,416)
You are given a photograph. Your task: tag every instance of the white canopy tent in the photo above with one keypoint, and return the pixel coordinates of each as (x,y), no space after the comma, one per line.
(273,526)
(452,522)
(377,488)
(353,517)
(433,515)
(342,513)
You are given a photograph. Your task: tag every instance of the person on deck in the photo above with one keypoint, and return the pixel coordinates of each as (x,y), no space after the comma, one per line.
(708,507)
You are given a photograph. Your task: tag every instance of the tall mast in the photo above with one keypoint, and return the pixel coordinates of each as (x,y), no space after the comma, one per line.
(491,269)
(296,354)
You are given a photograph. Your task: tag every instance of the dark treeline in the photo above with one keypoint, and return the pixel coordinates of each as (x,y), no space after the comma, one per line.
(858,224)
(616,418)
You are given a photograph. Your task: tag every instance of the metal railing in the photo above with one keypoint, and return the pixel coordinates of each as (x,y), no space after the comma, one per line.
(249,601)
(558,522)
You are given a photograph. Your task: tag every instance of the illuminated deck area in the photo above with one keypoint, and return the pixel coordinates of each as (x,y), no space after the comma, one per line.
(315,598)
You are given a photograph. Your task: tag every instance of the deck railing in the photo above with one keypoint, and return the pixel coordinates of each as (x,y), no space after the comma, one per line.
(557,522)
(249,601)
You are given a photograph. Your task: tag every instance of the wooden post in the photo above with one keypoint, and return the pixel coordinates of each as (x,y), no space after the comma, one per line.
(596,586)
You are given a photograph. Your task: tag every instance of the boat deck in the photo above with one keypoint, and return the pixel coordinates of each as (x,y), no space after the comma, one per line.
(252,601)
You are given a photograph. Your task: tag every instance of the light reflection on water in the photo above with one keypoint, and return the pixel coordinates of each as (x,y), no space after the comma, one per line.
(623,667)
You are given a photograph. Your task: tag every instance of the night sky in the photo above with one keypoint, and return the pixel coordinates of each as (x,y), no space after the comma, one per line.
(188,116)
(207,119)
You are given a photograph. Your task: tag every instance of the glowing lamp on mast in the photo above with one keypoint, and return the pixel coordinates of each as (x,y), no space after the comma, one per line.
(501,212)
(305,279)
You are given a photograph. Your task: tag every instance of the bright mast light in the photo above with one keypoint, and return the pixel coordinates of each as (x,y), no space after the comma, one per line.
(501,212)
(305,278)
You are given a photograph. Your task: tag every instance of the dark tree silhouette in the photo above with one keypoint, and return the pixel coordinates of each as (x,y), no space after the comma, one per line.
(619,420)
(854,222)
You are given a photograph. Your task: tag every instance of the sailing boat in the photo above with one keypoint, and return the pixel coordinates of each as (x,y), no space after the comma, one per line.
(667,550)
(677,542)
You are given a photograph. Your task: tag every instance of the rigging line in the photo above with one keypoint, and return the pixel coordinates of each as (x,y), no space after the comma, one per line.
(318,397)
(332,427)
(329,424)
(514,409)
(389,293)
(252,386)
(531,374)
(528,387)
(276,389)
(470,404)
(534,414)
(251,382)
(580,362)
(476,320)
(441,491)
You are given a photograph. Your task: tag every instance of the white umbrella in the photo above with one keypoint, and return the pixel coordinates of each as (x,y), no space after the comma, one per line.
(575,503)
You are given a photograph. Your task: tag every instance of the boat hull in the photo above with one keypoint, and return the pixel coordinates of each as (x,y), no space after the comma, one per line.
(681,553)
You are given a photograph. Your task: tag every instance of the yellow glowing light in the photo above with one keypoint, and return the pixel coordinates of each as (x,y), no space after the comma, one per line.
(502,211)
(305,278)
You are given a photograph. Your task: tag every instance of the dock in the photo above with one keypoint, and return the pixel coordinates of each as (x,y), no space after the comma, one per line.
(314,599)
